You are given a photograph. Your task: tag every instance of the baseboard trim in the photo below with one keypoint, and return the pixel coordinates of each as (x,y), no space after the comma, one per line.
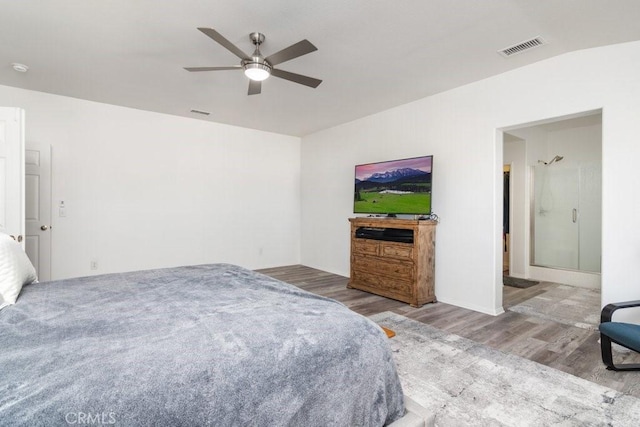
(493,312)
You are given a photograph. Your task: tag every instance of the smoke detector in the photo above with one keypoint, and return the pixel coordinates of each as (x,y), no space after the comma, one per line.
(21,68)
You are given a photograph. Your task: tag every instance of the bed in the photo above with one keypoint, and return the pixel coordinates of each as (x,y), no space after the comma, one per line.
(196,345)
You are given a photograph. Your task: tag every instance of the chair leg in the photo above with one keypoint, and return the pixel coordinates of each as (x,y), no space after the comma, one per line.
(605,348)
(607,357)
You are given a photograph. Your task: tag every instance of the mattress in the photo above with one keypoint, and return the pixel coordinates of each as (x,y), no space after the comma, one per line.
(197,345)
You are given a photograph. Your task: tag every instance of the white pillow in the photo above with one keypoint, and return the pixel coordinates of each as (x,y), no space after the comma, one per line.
(15,270)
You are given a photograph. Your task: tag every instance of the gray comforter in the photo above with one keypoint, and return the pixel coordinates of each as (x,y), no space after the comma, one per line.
(201,345)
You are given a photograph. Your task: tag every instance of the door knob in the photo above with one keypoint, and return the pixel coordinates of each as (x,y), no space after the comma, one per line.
(44,227)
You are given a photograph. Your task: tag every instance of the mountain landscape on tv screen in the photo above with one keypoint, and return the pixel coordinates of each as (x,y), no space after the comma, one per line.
(399,179)
(395,175)
(403,190)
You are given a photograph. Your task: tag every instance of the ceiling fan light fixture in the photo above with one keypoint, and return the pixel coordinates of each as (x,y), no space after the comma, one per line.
(257,71)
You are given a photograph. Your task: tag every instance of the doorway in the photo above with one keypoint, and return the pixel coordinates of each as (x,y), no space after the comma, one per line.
(556,208)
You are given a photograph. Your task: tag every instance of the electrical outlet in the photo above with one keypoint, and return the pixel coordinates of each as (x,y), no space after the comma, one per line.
(93,264)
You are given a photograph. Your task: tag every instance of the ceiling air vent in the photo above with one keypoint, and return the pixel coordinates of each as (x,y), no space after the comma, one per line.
(522,47)
(204,113)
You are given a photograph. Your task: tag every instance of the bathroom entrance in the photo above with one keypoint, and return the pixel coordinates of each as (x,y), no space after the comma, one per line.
(556,200)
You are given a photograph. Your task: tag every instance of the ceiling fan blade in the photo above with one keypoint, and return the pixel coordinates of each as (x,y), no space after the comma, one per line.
(255,87)
(295,50)
(224,42)
(231,67)
(296,78)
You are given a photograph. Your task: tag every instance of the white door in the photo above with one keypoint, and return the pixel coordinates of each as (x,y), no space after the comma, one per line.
(12,172)
(38,207)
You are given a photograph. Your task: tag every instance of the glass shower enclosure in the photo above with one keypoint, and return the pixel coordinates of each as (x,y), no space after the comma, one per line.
(566,213)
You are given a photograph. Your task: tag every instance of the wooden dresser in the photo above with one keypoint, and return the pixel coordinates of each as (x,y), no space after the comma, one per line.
(394,258)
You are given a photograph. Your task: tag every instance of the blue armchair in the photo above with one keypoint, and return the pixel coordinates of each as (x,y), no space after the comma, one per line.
(624,334)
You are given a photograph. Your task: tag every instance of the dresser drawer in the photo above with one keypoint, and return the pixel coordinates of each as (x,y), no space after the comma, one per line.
(377,265)
(388,286)
(365,247)
(396,251)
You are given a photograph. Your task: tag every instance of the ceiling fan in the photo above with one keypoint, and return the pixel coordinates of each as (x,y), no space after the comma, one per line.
(259,68)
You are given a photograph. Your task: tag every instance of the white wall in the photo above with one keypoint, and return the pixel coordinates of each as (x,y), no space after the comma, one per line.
(146,190)
(461,128)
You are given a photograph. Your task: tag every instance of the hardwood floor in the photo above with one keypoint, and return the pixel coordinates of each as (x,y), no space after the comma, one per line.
(567,348)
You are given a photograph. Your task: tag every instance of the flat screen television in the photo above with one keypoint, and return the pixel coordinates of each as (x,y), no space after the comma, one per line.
(394,187)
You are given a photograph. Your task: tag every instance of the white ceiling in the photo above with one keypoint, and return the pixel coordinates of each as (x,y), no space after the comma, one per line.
(372,55)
